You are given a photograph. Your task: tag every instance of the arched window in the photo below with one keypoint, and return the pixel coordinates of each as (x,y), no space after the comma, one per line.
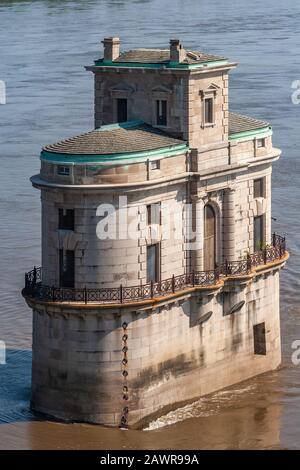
(209,245)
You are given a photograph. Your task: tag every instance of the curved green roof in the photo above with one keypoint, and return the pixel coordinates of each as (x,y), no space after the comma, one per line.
(133,140)
(245,127)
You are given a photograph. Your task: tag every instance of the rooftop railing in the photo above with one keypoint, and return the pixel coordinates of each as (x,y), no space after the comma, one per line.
(35,288)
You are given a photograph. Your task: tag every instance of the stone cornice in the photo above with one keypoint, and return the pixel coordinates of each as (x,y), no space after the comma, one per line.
(39,183)
(202,67)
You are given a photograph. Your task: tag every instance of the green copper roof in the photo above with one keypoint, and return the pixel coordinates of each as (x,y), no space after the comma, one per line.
(133,157)
(160,58)
(247,135)
(245,127)
(136,141)
(170,65)
(130,141)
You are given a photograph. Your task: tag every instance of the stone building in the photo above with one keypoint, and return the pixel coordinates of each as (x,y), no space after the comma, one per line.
(128,325)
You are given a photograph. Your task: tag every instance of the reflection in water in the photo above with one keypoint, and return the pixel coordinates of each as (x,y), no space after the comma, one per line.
(44,46)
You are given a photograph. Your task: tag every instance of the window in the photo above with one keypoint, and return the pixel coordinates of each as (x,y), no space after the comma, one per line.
(161,112)
(258,233)
(66,219)
(155,165)
(258,187)
(209,111)
(63,170)
(153,262)
(259,337)
(154,214)
(121,109)
(66,268)
(260,143)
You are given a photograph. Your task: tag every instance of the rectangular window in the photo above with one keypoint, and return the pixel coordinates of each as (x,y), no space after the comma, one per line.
(66,268)
(259,337)
(63,170)
(208,111)
(66,219)
(258,187)
(155,165)
(154,214)
(260,143)
(258,233)
(161,112)
(121,109)
(153,262)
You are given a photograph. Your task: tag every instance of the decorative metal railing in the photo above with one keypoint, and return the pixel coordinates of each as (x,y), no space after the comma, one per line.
(34,287)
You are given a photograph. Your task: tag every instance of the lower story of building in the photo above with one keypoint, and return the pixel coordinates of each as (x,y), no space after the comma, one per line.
(122,365)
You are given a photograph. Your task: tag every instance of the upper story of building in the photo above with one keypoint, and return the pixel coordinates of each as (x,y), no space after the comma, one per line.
(184,93)
(159,113)
(164,137)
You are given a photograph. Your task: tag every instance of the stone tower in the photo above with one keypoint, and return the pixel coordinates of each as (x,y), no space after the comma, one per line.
(160,275)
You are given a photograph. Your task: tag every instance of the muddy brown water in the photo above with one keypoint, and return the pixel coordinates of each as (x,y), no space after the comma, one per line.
(44,46)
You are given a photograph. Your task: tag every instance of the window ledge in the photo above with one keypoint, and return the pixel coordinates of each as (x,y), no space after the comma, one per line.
(210,124)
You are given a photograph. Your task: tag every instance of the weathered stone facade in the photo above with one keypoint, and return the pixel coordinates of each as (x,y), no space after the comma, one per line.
(181,346)
(173,355)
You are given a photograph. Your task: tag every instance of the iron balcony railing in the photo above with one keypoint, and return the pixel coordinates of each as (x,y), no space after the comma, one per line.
(34,287)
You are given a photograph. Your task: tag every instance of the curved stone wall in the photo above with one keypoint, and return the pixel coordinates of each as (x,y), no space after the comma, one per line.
(175,351)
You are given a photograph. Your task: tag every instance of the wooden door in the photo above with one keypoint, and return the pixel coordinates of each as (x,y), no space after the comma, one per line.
(122,109)
(209,246)
(153,263)
(258,241)
(66,268)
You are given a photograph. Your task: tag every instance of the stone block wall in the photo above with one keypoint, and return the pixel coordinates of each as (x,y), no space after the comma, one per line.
(214,84)
(122,260)
(93,173)
(176,352)
(247,207)
(184,92)
(141,88)
(242,151)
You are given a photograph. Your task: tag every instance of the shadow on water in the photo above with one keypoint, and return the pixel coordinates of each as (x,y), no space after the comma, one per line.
(15,381)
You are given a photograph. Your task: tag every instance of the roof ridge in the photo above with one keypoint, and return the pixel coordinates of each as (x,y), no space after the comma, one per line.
(147,49)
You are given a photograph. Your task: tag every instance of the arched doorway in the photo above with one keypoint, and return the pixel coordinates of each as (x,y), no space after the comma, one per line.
(209,245)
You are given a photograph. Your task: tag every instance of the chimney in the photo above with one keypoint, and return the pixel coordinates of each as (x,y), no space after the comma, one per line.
(111,49)
(177,53)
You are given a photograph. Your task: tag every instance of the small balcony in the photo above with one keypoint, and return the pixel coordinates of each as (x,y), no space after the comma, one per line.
(273,254)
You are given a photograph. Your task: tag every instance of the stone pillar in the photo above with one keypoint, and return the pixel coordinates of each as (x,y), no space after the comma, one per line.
(229,235)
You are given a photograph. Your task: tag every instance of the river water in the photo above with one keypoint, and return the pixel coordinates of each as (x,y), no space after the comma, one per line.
(43,48)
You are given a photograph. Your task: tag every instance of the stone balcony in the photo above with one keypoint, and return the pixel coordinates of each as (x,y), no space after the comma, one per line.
(271,257)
